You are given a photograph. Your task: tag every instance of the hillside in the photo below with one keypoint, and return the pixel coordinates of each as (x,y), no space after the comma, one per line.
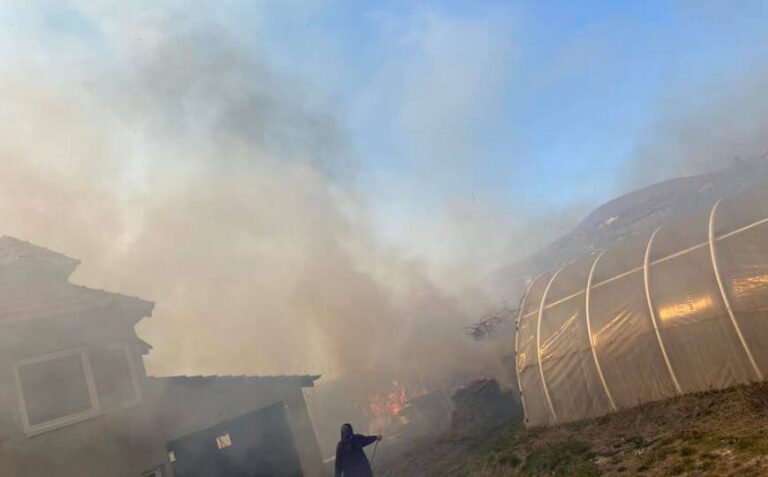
(713,433)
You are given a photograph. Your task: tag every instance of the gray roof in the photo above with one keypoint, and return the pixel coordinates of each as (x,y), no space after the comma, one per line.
(13,250)
(305,381)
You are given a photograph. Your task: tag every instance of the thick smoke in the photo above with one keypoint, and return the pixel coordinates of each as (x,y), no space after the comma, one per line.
(190,173)
(704,127)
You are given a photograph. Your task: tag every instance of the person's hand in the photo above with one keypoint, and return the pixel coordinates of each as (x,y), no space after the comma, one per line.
(379,437)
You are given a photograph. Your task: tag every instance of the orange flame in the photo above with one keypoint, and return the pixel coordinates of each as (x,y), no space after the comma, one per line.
(390,404)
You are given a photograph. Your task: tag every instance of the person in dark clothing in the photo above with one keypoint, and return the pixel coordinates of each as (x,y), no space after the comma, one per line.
(351,460)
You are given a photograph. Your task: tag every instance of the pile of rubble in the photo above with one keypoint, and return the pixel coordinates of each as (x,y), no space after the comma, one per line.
(428,414)
(481,405)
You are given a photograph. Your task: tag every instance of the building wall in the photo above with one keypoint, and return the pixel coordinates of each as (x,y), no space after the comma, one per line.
(120,442)
(304,436)
(128,442)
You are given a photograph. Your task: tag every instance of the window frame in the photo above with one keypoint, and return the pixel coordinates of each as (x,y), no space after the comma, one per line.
(56,423)
(153,473)
(138,395)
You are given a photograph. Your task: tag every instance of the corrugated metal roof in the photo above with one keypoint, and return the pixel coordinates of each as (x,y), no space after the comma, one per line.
(304,381)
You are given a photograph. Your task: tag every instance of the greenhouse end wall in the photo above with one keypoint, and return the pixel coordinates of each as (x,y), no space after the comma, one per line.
(684,309)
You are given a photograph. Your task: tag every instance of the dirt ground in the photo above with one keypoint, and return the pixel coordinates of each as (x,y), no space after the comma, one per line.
(723,433)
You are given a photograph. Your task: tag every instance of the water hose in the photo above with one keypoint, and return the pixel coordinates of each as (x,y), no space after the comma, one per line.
(373,456)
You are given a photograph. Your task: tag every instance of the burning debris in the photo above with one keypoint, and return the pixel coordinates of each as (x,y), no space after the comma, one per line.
(385,408)
(391,403)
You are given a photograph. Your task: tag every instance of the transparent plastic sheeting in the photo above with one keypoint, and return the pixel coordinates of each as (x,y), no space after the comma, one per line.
(682,310)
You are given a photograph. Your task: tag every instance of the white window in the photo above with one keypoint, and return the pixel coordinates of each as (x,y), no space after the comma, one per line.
(117,380)
(224,441)
(55,390)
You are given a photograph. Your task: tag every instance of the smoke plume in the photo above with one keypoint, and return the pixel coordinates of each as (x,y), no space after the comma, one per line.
(189,172)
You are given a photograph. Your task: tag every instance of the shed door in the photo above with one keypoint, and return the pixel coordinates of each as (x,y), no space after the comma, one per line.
(256,444)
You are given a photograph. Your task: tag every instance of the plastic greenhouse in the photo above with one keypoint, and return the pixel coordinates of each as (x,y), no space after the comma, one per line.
(681,310)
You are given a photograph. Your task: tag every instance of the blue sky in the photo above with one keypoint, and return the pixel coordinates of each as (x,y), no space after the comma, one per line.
(534,103)
(572,88)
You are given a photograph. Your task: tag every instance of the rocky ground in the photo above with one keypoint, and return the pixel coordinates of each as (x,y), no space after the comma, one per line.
(714,433)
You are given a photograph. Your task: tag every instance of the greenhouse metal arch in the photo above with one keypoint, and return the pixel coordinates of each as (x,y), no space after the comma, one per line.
(683,309)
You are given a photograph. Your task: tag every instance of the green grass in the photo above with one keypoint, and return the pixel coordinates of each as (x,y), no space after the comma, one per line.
(655,456)
(510,460)
(571,457)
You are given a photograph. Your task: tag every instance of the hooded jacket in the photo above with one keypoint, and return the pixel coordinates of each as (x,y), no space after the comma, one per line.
(351,460)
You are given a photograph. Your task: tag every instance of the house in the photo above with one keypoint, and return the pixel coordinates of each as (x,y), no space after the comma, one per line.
(71,370)
(75,399)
